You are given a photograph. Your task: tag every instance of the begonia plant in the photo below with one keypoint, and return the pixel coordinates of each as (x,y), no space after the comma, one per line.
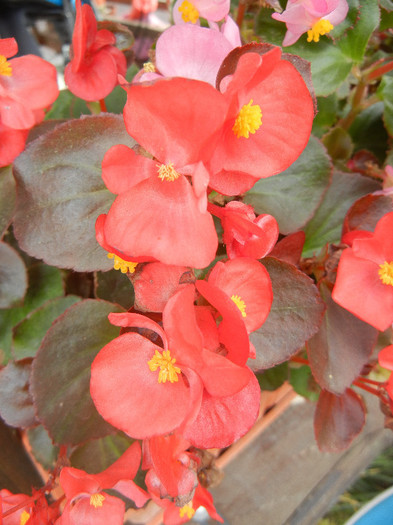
(174,231)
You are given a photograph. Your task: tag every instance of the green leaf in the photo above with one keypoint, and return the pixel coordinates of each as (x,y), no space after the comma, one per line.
(45,283)
(293,195)
(28,334)
(303,382)
(368,131)
(295,316)
(340,349)
(329,66)
(17,472)
(13,277)
(16,405)
(270,30)
(273,378)
(67,106)
(98,454)
(115,287)
(64,405)
(338,143)
(325,226)
(7,198)
(42,447)
(362,19)
(326,116)
(385,92)
(61,192)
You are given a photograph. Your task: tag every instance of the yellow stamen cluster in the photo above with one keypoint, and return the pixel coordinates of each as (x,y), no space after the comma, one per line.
(249,120)
(97,500)
(187,510)
(167,172)
(189,12)
(318,29)
(24,517)
(5,67)
(149,67)
(385,272)
(121,264)
(240,304)
(165,363)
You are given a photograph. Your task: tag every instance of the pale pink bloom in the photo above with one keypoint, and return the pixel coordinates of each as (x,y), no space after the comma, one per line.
(316,17)
(189,11)
(191,52)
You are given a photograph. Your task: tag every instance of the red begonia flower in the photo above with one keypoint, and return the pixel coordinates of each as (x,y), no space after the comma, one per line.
(28,84)
(146,390)
(95,61)
(86,500)
(247,282)
(158,214)
(8,501)
(246,235)
(172,471)
(364,283)
(268,123)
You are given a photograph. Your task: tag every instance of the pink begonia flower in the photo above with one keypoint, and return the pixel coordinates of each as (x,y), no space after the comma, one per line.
(316,17)
(191,52)
(185,11)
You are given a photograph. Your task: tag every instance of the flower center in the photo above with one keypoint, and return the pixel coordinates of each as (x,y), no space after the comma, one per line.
(249,120)
(385,273)
(165,363)
(318,29)
(167,172)
(189,12)
(97,500)
(121,264)
(240,304)
(149,67)
(5,67)
(187,510)
(24,517)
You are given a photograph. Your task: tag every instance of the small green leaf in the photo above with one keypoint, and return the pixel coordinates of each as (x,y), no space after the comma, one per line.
(325,226)
(67,106)
(61,192)
(45,283)
(64,405)
(17,472)
(13,277)
(115,287)
(385,92)
(42,447)
(16,405)
(326,116)
(293,195)
(98,454)
(338,143)
(368,131)
(295,316)
(7,198)
(303,382)
(28,334)
(273,378)
(362,19)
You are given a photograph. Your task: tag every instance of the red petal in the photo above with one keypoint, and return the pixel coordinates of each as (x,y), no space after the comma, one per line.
(184,127)
(161,220)
(221,421)
(127,394)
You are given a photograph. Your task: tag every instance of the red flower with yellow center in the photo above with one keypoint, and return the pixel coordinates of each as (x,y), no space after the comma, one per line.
(364,283)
